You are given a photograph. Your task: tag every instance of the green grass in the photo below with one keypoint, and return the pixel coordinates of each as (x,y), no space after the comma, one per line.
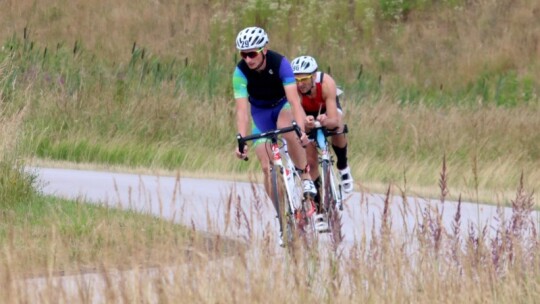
(140,84)
(149,111)
(81,234)
(53,238)
(415,90)
(47,235)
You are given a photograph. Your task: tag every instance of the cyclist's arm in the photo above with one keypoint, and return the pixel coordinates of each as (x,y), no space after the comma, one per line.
(333,119)
(294,99)
(242,105)
(242,116)
(291,92)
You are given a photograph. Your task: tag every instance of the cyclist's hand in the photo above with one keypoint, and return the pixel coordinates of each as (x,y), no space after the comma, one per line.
(304,140)
(242,155)
(322,119)
(310,122)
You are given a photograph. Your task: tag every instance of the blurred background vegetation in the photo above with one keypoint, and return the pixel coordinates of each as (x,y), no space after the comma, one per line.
(148,83)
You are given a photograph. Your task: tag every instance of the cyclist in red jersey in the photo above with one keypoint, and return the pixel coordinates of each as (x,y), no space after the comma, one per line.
(321,102)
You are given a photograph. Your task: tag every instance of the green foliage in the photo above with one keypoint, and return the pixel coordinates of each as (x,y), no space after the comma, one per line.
(260,12)
(170,109)
(398,10)
(16,186)
(505,89)
(75,73)
(82,234)
(394,9)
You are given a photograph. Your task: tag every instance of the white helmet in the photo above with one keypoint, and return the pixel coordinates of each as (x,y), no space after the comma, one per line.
(251,38)
(304,65)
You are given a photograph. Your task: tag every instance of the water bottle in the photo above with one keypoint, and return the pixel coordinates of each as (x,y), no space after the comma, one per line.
(321,140)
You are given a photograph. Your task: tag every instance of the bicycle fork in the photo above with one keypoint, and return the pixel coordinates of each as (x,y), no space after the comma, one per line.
(325,158)
(278,168)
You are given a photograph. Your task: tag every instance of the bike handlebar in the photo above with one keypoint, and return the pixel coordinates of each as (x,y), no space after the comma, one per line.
(269,134)
(313,132)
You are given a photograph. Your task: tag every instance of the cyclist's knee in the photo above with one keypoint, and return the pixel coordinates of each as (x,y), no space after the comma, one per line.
(339,140)
(313,160)
(291,138)
(265,167)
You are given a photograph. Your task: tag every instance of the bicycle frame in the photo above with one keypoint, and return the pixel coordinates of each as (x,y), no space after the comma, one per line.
(306,209)
(287,172)
(290,175)
(330,191)
(326,162)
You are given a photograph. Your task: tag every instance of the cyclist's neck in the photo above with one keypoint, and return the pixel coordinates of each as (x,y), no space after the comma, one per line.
(261,66)
(312,92)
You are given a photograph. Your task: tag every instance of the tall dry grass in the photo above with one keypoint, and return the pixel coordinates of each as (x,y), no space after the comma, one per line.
(483,146)
(111,28)
(11,118)
(485,263)
(143,83)
(48,237)
(15,185)
(487,147)
(446,49)
(476,53)
(448,46)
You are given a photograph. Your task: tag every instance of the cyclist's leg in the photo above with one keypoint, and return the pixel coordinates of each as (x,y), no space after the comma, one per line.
(263,121)
(313,160)
(262,150)
(339,145)
(340,142)
(296,151)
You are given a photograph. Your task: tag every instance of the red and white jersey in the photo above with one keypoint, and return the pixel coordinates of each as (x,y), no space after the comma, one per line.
(315,104)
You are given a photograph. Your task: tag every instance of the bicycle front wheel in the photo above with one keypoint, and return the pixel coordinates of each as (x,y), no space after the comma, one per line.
(280,199)
(330,197)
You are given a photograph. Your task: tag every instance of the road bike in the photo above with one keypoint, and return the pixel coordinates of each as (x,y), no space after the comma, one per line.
(293,210)
(330,193)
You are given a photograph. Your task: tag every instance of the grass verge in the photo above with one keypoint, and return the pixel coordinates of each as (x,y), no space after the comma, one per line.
(44,235)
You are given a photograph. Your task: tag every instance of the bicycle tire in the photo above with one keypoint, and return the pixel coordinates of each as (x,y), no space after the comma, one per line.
(304,212)
(336,189)
(330,198)
(300,209)
(281,203)
(296,201)
(326,195)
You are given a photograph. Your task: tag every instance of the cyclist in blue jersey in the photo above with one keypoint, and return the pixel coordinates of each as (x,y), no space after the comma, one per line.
(264,86)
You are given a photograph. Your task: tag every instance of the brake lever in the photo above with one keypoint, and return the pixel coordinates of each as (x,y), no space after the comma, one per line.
(241,145)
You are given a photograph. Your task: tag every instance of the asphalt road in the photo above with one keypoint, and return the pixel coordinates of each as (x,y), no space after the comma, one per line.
(239,209)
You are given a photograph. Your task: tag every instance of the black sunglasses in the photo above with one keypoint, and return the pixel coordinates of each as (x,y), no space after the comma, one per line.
(251,54)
